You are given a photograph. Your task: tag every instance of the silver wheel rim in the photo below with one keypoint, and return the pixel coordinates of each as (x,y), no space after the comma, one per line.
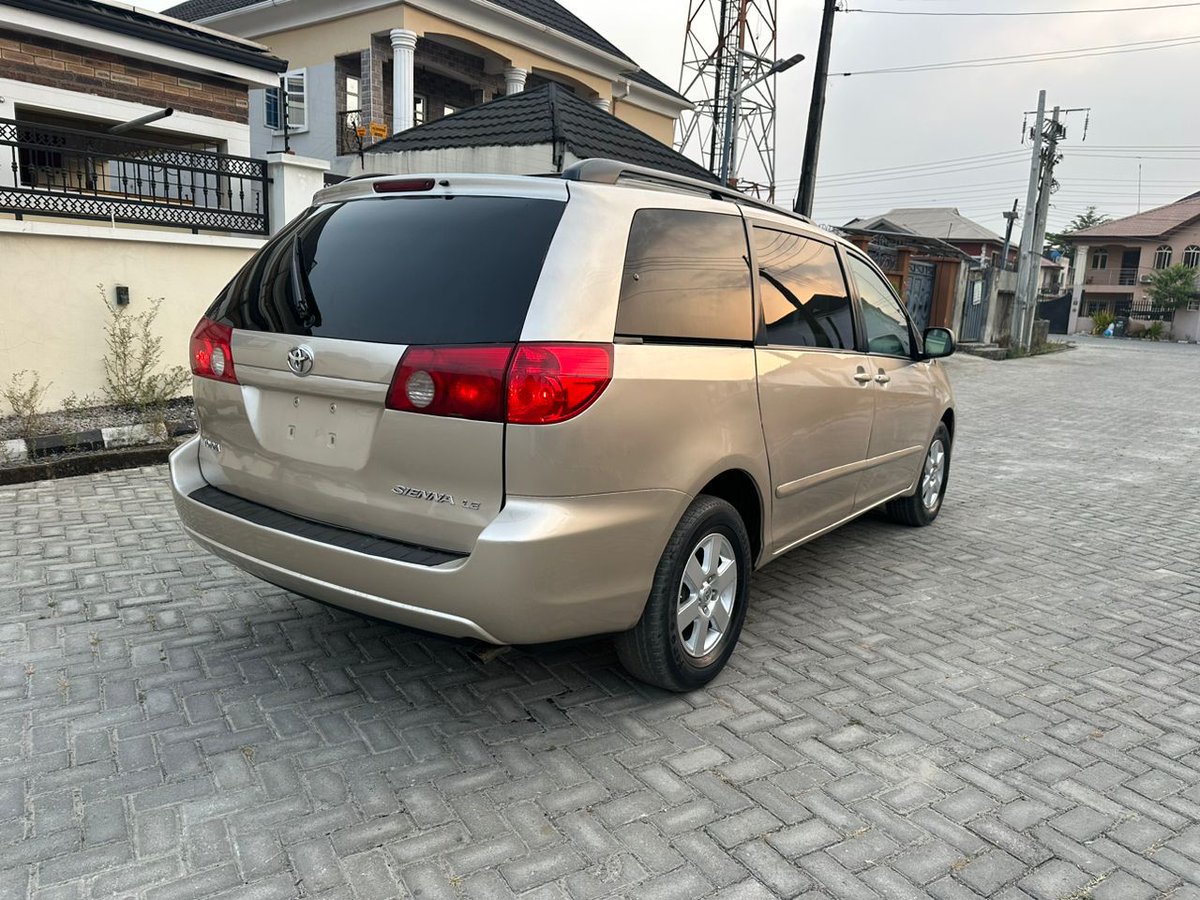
(934,475)
(707,593)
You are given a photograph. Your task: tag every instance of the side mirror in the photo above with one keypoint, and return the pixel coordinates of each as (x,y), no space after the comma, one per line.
(939,343)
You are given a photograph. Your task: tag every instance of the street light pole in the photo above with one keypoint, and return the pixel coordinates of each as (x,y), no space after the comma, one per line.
(733,114)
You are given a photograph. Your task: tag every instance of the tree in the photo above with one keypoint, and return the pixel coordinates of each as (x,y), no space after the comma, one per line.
(1173,287)
(1059,240)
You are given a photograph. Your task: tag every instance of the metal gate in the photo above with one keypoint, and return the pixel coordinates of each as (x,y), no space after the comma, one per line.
(975,312)
(920,292)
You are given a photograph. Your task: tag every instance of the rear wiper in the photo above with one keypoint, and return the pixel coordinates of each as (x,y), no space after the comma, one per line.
(304,303)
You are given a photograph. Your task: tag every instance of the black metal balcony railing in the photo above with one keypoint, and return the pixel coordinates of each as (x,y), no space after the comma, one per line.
(349,126)
(77,174)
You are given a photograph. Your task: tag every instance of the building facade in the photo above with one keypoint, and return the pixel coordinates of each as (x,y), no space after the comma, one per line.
(362,71)
(124,163)
(1115,264)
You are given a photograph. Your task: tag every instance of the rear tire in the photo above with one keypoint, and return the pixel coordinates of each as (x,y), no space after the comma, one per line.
(923,506)
(697,603)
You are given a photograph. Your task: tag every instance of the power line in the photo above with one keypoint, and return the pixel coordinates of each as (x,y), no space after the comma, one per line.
(927,165)
(1040,12)
(1044,56)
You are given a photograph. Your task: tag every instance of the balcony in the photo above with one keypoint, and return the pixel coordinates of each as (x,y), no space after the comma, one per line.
(1118,277)
(79,174)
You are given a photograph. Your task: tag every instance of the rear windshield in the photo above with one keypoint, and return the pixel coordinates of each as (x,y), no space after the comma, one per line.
(399,270)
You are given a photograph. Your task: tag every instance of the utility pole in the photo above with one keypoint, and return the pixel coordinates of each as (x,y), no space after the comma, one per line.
(1026,261)
(816,114)
(1039,234)
(1011,217)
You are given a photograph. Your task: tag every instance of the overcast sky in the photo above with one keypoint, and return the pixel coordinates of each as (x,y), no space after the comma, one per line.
(1146,100)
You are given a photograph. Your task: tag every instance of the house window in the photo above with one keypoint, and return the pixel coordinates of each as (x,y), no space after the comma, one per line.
(449,110)
(296,85)
(1191,257)
(353,104)
(1099,259)
(420,104)
(1162,257)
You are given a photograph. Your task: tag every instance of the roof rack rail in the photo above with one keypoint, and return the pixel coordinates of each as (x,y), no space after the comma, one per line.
(610,171)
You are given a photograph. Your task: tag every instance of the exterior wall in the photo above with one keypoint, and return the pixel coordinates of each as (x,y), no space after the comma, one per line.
(233,136)
(500,160)
(319,137)
(36,60)
(658,126)
(52,311)
(1107,280)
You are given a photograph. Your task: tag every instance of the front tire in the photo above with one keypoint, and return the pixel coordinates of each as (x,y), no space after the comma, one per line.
(697,603)
(923,506)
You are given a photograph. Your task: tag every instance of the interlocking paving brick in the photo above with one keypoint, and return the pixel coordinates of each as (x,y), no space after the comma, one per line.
(1006,704)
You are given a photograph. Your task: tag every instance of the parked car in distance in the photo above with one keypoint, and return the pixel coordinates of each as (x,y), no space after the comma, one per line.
(524,409)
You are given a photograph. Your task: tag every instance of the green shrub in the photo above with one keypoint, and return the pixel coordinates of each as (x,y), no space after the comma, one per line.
(1101,319)
(26,400)
(1154,331)
(133,374)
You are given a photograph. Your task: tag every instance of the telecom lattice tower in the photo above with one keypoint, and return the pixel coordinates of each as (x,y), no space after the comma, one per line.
(728,44)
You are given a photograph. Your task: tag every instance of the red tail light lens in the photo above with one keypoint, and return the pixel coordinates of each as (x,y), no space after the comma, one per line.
(460,382)
(550,383)
(212,351)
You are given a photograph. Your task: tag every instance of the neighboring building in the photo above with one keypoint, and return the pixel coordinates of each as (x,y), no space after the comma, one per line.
(931,275)
(947,224)
(1052,280)
(543,129)
(168,208)
(1116,261)
(363,71)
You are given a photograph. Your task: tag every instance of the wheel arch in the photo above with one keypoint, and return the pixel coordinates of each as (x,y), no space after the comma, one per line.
(738,488)
(948,419)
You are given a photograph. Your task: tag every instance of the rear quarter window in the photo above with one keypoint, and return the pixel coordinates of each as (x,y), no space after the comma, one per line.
(686,278)
(399,270)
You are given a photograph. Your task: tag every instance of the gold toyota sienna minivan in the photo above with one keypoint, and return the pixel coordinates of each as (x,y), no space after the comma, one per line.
(523,409)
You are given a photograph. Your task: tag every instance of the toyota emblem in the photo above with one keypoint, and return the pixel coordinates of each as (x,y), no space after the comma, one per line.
(300,360)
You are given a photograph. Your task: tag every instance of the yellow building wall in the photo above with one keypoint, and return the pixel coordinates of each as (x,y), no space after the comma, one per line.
(316,44)
(54,315)
(654,124)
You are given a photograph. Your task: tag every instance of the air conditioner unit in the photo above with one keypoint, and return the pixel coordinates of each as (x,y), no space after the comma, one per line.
(1146,279)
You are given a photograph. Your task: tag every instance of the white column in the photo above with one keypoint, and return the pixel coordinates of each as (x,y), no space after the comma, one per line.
(8,178)
(1081,264)
(514,80)
(404,46)
(602,103)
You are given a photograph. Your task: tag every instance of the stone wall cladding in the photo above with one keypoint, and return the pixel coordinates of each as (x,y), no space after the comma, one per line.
(44,61)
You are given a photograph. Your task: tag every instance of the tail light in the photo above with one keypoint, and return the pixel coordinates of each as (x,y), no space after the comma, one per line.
(535,384)
(212,351)
(461,382)
(550,383)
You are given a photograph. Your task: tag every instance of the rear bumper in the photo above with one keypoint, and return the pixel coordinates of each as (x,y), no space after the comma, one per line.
(545,569)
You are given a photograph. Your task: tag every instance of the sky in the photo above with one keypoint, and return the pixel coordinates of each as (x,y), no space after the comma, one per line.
(959,131)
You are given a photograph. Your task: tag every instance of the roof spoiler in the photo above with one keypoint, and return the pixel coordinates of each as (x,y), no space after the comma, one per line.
(610,171)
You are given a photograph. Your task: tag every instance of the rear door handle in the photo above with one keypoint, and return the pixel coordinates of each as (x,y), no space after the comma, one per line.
(883,378)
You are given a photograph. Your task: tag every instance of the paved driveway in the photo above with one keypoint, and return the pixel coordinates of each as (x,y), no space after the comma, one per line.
(1007,704)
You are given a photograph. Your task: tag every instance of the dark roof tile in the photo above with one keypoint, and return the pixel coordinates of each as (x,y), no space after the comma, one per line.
(542,116)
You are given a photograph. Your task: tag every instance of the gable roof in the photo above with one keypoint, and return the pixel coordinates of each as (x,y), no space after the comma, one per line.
(1151,224)
(545,115)
(942,222)
(127,20)
(549,13)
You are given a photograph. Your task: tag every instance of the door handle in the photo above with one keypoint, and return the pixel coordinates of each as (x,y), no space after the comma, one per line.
(862,377)
(883,378)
